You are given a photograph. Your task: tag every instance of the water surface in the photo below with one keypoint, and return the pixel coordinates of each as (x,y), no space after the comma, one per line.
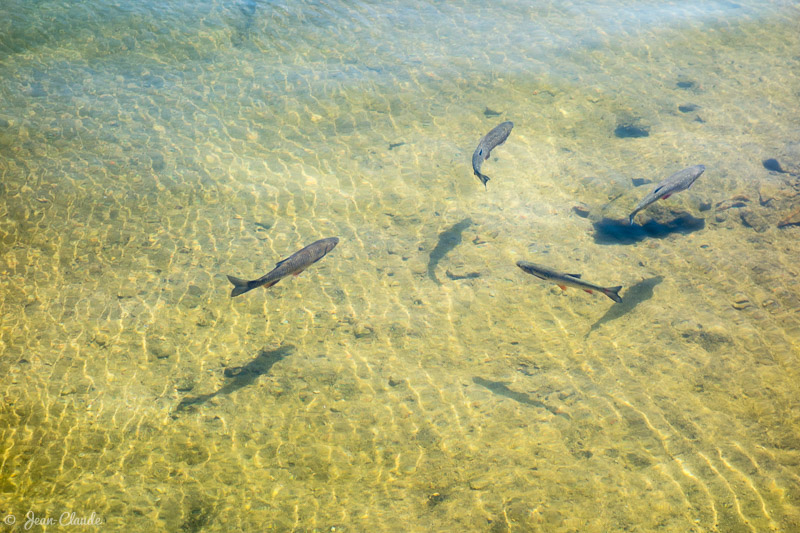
(414,379)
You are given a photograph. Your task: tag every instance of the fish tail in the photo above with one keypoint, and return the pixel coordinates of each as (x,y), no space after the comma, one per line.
(630,218)
(613,293)
(483,177)
(240,286)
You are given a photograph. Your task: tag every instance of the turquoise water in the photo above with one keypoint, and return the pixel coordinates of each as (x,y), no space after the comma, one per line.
(414,379)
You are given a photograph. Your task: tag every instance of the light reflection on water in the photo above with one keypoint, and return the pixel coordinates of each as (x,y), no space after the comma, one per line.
(415,378)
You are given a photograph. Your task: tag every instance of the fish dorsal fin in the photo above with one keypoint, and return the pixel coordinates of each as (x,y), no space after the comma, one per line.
(655,191)
(574,275)
(282,261)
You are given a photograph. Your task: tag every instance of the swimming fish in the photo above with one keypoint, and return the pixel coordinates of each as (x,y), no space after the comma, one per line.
(568,280)
(496,137)
(680,181)
(294,264)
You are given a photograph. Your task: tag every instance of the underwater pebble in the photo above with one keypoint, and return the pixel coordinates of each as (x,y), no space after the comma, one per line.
(751,219)
(101,339)
(740,301)
(581,210)
(185,383)
(791,219)
(770,304)
(363,330)
(479,483)
(625,131)
(160,347)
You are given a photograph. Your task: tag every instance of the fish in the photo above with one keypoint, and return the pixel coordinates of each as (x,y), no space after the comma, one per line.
(680,181)
(568,280)
(448,239)
(294,264)
(496,137)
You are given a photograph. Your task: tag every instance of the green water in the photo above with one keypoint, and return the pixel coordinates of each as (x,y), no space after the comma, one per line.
(149,149)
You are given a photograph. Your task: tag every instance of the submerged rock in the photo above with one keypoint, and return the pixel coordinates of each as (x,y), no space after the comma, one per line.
(582,210)
(740,301)
(753,219)
(792,219)
(624,131)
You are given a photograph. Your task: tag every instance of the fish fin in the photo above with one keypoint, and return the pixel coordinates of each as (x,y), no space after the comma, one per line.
(589,291)
(271,283)
(282,261)
(240,286)
(655,191)
(666,196)
(574,275)
(630,219)
(562,287)
(613,293)
(483,177)
(297,273)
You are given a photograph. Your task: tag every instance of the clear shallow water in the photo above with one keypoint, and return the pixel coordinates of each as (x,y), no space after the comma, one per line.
(150,149)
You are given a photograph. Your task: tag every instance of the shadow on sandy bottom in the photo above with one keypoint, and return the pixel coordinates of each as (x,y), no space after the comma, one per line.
(635,295)
(501,389)
(448,239)
(239,376)
(609,231)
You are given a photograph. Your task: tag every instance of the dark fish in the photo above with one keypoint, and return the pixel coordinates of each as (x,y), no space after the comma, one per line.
(501,389)
(680,181)
(496,137)
(568,280)
(491,113)
(395,145)
(448,239)
(294,264)
(635,295)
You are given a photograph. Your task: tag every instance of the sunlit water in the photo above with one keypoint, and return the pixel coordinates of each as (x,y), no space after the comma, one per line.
(414,379)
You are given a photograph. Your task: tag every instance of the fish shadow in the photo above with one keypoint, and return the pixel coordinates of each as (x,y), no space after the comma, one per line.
(448,239)
(635,295)
(239,376)
(501,389)
(610,231)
